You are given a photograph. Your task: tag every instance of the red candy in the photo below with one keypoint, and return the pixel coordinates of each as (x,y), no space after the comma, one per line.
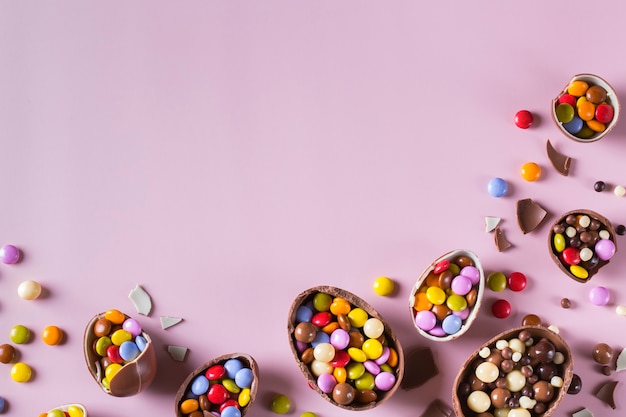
(113,353)
(322,318)
(501,309)
(568,99)
(571,255)
(215,372)
(217,394)
(229,403)
(516,281)
(341,359)
(523,119)
(441,266)
(604,113)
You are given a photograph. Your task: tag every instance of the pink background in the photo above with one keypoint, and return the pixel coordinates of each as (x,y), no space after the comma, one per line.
(228,155)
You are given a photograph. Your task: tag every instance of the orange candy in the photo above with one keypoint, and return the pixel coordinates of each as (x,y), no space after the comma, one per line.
(52,335)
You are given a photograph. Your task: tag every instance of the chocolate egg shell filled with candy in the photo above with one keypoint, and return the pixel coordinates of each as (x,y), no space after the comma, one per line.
(581,242)
(230,380)
(447,296)
(347,352)
(528,368)
(73,410)
(120,356)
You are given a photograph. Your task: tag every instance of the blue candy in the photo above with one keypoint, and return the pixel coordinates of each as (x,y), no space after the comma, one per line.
(497,187)
(200,385)
(244,378)
(451,324)
(574,126)
(231,411)
(304,313)
(129,351)
(141,343)
(232,366)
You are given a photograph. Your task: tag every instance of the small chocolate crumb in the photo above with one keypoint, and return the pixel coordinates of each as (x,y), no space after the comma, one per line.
(566,303)
(607,370)
(599,186)
(620,229)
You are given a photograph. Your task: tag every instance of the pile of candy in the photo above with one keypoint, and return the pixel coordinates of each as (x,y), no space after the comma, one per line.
(223,389)
(73,410)
(345,349)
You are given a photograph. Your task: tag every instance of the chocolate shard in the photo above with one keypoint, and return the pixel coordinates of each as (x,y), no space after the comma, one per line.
(584,412)
(491,223)
(606,393)
(620,363)
(502,243)
(438,408)
(419,367)
(529,215)
(559,161)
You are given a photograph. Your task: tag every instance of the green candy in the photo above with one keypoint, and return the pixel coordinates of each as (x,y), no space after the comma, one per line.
(281,404)
(20,334)
(564,113)
(496,281)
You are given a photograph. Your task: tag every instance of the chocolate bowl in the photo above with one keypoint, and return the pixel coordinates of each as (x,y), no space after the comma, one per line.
(581,242)
(210,381)
(134,375)
(447,296)
(528,367)
(340,342)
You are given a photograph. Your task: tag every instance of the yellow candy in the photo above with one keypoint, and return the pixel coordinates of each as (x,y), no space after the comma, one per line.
(456,302)
(230,386)
(55,413)
(559,242)
(111,370)
(20,372)
(75,411)
(120,336)
(386,368)
(115,316)
(355,370)
(577,88)
(357,354)
(579,272)
(189,406)
(340,374)
(244,397)
(340,306)
(372,348)
(436,295)
(357,317)
(383,286)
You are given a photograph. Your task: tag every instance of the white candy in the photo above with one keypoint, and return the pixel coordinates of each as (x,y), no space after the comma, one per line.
(621,310)
(29,290)
(556,381)
(619,191)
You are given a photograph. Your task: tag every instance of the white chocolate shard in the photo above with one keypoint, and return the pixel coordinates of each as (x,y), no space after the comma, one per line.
(620,363)
(583,413)
(141,299)
(178,353)
(491,223)
(167,321)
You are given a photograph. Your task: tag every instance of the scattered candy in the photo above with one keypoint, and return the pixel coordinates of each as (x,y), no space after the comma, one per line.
(9,254)
(566,303)
(620,229)
(531,320)
(52,335)
(620,310)
(21,372)
(599,186)
(141,300)
(7,353)
(501,309)
(491,223)
(384,286)
(2,404)
(20,334)
(308,414)
(496,281)
(559,161)
(599,296)
(29,290)
(602,353)
(523,119)
(167,322)
(531,171)
(497,187)
(281,404)
(516,281)
(619,190)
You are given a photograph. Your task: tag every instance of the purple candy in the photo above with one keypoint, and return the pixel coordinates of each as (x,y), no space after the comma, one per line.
(132,326)
(371,367)
(9,254)
(326,382)
(437,331)
(340,339)
(461,284)
(605,248)
(472,273)
(425,319)
(383,358)
(384,381)
(599,296)
(301,346)
(463,314)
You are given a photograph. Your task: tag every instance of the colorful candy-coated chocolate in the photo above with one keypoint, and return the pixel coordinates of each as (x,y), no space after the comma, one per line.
(619,190)
(599,296)
(497,187)
(280,404)
(29,290)
(567,98)
(523,119)
(599,186)
(52,335)
(21,372)
(384,286)
(605,248)
(20,334)
(7,353)
(516,281)
(564,113)
(501,309)
(575,125)
(604,113)
(531,171)
(496,281)
(9,254)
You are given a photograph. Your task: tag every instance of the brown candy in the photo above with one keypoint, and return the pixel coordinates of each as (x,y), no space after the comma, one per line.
(366,396)
(543,391)
(344,393)
(463,261)
(596,94)
(602,353)
(7,353)
(543,351)
(531,320)
(500,397)
(566,303)
(305,332)
(102,327)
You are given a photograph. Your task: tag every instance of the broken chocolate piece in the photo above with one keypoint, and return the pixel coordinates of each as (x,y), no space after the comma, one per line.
(583,413)
(559,161)
(501,243)
(620,363)
(438,408)
(419,367)
(529,215)
(606,393)
(491,223)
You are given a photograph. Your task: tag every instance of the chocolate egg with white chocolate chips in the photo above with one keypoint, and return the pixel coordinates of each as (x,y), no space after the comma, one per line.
(119,371)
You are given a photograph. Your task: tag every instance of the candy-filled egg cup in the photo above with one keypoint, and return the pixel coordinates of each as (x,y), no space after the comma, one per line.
(347,352)
(120,356)
(226,385)
(447,296)
(581,242)
(71,410)
(586,109)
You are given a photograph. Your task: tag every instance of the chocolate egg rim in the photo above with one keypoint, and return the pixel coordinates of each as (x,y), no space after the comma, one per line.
(248,361)
(96,371)
(536,331)
(65,407)
(554,256)
(474,310)
(611,95)
(356,301)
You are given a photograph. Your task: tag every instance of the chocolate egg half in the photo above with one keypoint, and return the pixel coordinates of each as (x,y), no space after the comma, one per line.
(447,296)
(133,376)
(581,242)
(73,409)
(337,338)
(528,367)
